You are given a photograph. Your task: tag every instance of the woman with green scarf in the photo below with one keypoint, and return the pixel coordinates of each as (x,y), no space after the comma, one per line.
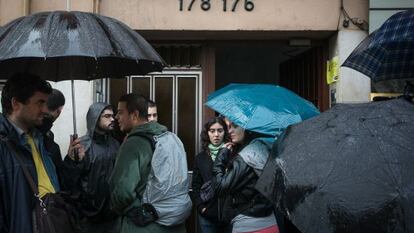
(213,137)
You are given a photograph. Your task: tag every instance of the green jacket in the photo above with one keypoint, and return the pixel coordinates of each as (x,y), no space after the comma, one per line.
(129,177)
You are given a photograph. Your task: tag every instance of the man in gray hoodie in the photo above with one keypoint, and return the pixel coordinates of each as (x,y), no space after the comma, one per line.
(91,173)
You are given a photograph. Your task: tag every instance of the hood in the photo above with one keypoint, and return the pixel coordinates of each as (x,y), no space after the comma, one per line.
(151,128)
(93,115)
(255,154)
(92,118)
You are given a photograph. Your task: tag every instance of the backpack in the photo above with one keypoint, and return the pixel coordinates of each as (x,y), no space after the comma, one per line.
(168,185)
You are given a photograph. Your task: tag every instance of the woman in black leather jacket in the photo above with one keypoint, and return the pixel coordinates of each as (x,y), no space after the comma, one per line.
(249,210)
(213,136)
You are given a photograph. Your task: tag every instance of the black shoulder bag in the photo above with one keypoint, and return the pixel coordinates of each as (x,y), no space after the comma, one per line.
(53,213)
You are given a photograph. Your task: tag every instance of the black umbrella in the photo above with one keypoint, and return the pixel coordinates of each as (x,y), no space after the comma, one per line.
(65,45)
(350,169)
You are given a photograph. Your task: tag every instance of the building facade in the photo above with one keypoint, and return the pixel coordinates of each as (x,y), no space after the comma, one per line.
(211,43)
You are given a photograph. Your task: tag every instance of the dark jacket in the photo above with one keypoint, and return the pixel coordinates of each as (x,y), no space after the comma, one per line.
(90,177)
(54,149)
(16,198)
(237,182)
(203,173)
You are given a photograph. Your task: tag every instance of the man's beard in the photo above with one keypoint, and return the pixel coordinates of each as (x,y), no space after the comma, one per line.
(107,129)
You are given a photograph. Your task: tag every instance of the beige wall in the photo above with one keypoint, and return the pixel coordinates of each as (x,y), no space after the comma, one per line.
(268,15)
(12,9)
(352,86)
(50,5)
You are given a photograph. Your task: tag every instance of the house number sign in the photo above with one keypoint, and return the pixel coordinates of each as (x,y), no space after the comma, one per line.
(205,5)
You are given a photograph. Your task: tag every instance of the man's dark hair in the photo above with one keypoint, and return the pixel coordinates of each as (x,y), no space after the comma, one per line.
(22,86)
(55,100)
(151,104)
(136,102)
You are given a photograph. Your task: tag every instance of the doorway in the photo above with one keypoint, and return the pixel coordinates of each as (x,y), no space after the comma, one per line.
(300,69)
(177,93)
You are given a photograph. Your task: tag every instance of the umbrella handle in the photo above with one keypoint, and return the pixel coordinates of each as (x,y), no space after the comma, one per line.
(73,106)
(75,151)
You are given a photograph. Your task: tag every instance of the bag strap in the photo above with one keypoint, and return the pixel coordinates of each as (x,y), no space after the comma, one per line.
(147,137)
(19,158)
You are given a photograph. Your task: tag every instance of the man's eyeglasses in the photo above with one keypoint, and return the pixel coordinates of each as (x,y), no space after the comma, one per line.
(108,116)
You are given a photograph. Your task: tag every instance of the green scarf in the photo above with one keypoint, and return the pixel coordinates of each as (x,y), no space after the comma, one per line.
(214,150)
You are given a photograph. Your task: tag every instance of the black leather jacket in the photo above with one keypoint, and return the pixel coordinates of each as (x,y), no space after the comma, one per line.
(236,184)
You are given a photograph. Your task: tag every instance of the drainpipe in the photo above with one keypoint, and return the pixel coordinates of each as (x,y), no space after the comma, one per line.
(96,6)
(26,7)
(68,5)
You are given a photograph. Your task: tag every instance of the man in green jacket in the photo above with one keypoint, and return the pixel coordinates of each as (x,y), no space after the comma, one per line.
(133,164)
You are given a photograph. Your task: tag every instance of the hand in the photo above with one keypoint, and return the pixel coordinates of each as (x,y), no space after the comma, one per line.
(75,145)
(224,154)
(229,145)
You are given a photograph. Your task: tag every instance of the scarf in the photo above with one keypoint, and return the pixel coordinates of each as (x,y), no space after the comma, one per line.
(214,150)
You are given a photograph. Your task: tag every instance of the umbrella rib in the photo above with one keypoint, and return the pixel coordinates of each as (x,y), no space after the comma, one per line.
(382,155)
(95,40)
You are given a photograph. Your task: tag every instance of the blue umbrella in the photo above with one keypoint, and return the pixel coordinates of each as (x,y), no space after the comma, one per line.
(261,108)
(388,53)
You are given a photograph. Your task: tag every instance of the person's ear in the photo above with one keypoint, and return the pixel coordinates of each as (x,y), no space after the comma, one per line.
(15,104)
(135,115)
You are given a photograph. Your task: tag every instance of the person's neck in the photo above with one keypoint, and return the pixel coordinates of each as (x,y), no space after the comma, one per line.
(100,132)
(140,122)
(18,123)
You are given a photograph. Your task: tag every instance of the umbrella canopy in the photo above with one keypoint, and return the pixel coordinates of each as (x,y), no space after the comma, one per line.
(68,45)
(350,169)
(261,108)
(65,45)
(387,53)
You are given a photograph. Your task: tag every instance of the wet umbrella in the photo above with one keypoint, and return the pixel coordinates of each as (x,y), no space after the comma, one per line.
(65,45)
(261,108)
(388,53)
(350,169)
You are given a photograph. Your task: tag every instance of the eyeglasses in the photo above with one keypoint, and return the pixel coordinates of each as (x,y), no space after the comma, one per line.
(108,116)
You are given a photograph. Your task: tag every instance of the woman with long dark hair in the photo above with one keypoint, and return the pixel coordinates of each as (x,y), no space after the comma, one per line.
(213,137)
(236,171)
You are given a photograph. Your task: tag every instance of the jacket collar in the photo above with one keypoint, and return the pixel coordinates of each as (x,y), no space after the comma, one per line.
(15,133)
